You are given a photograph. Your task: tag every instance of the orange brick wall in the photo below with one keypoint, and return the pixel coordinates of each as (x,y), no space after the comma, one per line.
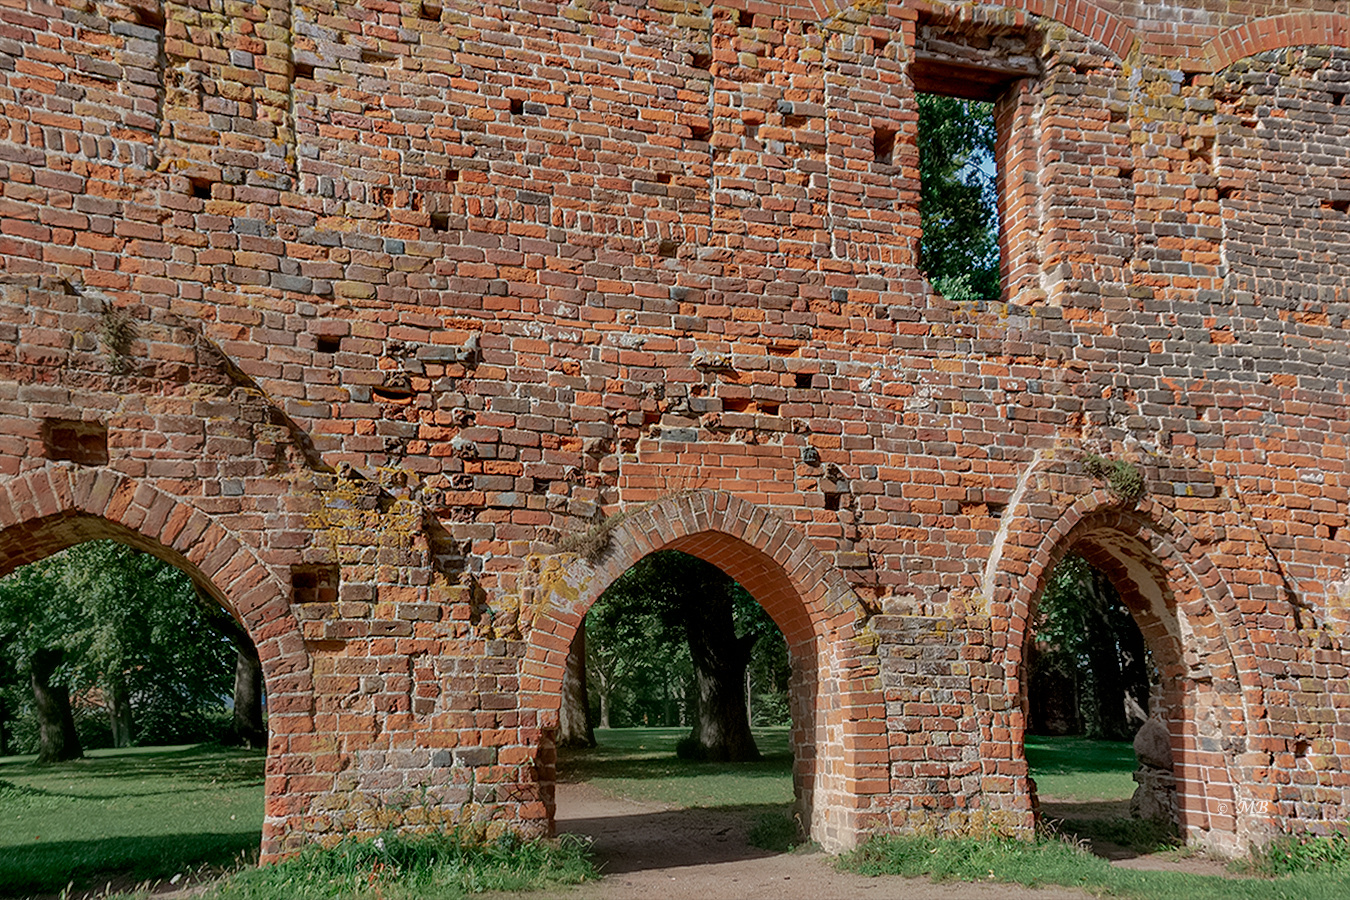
(358,310)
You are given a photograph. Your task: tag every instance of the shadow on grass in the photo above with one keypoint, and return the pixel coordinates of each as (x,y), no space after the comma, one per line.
(225,766)
(46,868)
(1070,756)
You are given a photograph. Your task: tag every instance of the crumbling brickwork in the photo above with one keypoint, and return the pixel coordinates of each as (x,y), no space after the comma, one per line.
(364,312)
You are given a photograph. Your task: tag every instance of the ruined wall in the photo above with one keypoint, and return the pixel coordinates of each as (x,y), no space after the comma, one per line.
(399,295)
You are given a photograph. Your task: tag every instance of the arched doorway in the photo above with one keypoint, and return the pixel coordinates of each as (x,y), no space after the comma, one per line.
(821,620)
(1176,600)
(51,509)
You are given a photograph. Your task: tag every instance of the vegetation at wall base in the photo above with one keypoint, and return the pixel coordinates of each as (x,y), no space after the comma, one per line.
(1050,860)
(437,866)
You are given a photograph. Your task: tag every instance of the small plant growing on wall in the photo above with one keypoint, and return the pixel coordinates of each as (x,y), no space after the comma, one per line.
(116,331)
(1122,478)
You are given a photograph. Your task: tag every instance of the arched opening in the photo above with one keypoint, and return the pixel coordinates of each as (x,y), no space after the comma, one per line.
(680,659)
(121,681)
(1195,710)
(837,763)
(1102,767)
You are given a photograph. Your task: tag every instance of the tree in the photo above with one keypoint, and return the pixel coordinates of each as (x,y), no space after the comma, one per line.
(958,202)
(122,629)
(1087,638)
(669,596)
(574,719)
(38,627)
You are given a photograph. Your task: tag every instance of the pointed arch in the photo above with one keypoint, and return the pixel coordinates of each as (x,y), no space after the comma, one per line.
(47,510)
(1190,621)
(841,758)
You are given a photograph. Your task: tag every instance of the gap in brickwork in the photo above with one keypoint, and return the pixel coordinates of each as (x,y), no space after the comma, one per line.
(430,12)
(328,344)
(701,59)
(315,583)
(72,440)
(883,145)
(959,203)
(677,670)
(149,16)
(1095,703)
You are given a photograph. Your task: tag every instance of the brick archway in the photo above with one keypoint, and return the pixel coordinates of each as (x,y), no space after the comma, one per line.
(50,509)
(1326,29)
(1191,625)
(840,756)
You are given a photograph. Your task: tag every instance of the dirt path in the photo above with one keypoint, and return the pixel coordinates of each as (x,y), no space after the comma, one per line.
(652,851)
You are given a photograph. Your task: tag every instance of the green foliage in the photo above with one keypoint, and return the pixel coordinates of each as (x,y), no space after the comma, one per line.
(958,207)
(121,616)
(637,651)
(437,866)
(142,814)
(776,832)
(1049,860)
(1087,638)
(1122,478)
(1292,855)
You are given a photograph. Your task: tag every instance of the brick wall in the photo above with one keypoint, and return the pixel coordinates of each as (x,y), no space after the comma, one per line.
(357,310)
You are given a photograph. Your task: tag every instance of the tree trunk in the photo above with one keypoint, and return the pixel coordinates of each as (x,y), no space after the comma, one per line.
(57,740)
(119,710)
(247,721)
(720,659)
(574,726)
(4,728)
(604,702)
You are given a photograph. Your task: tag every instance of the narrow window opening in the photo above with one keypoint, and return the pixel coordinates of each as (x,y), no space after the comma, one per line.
(958,204)
(883,145)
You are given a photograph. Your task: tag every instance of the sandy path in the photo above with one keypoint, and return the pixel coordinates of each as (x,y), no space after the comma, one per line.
(652,851)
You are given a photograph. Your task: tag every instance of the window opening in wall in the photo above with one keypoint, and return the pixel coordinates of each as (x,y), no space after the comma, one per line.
(1090,678)
(676,691)
(108,649)
(958,205)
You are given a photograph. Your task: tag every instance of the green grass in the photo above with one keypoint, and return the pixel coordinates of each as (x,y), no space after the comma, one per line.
(1050,861)
(640,764)
(1073,768)
(411,867)
(140,814)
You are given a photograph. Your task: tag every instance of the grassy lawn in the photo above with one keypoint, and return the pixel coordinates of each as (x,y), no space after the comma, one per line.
(141,813)
(1073,768)
(640,764)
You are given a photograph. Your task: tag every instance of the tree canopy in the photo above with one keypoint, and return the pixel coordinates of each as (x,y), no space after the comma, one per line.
(1090,668)
(958,204)
(672,641)
(112,629)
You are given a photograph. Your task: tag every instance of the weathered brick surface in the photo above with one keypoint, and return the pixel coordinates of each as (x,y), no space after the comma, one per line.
(355,310)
